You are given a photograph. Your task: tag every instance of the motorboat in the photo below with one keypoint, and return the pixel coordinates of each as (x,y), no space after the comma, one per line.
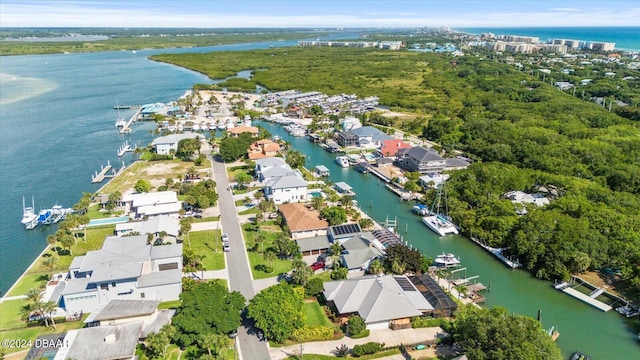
(29,217)
(342,161)
(421,209)
(447,260)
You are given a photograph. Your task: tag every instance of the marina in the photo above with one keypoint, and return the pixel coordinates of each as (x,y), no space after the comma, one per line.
(54,215)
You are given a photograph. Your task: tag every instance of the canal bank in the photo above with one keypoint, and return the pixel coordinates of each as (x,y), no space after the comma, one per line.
(582,328)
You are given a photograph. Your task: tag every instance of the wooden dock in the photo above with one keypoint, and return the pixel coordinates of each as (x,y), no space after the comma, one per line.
(124,148)
(105,172)
(126,128)
(497,253)
(567,288)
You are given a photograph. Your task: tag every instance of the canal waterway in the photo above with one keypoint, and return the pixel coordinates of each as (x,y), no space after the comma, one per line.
(57,128)
(582,327)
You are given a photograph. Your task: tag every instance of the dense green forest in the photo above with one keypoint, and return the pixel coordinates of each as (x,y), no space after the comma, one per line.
(524,134)
(135,39)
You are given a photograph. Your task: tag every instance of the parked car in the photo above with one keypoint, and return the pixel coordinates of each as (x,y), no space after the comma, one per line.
(226,247)
(225,237)
(317,265)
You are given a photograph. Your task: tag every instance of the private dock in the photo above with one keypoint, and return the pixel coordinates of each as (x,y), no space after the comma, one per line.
(105,172)
(497,253)
(126,128)
(124,148)
(567,288)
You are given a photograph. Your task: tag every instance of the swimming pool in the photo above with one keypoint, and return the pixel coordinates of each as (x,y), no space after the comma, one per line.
(108,221)
(369,157)
(315,194)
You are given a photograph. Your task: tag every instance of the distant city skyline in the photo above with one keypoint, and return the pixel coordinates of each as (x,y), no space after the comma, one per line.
(316,14)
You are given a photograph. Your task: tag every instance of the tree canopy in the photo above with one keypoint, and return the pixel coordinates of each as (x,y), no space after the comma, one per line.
(208,308)
(277,310)
(488,334)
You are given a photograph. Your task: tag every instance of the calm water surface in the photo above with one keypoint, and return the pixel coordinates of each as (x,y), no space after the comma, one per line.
(602,335)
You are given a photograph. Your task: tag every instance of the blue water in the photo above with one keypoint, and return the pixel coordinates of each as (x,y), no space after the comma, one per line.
(57,128)
(626,38)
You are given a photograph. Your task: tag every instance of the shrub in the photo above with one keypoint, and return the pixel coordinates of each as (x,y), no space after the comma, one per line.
(427,321)
(313,287)
(356,325)
(368,348)
(362,334)
(341,351)
(313,333)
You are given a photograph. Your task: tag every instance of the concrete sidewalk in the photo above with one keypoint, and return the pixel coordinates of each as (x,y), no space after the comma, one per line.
(387,336)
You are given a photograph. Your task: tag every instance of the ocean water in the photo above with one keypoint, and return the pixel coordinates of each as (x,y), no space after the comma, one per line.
(625,37)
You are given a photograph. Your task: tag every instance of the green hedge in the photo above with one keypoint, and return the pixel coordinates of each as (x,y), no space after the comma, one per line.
(313,333)
(368,348)
(427,321)
(362,334)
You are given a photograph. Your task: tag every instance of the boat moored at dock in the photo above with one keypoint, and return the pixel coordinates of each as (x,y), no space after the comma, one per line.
(440,224)
(29,217)
(342,161)
(447,260)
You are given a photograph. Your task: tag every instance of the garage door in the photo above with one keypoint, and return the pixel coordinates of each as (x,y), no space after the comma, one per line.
(169,266)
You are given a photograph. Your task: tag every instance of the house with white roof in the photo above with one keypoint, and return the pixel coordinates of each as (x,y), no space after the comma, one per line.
(164,144)
(155,225)
(264,165)
(152,204)
(522,199)
(381,301)
(126,268)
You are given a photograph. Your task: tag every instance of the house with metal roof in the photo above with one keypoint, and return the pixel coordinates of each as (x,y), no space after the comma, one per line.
(126,268)
(152,204)
(344,231)
(382,301)
(154,225)
(370,137)
(289,188)
(263,165)
(302,221)
(101,342)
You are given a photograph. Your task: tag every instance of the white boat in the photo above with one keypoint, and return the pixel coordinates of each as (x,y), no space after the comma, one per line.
(421,209)
(447,260)
(29,217)
(342,161)
(221,125)
(195,127)
(439,222)
(120,121)
(229,124)
(45,217)
(58,213)
(211,127)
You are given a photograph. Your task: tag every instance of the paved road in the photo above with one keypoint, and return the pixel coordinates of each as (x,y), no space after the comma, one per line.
(240,279)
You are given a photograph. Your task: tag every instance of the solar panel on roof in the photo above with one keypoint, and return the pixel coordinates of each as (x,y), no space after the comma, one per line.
(346,229)
(404,284)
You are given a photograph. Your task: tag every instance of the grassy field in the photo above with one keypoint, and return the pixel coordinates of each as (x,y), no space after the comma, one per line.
(256,258)
(314,315)
(207,243)
(32,332)
(156,172)
(38,274)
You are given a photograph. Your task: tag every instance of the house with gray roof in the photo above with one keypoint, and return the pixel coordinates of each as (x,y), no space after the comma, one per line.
(263,165)
(381,301)
(117,312)
(427,161)
(155,225)
(101,342)
(126,268)
(142,205)
(364,137)
(289,188)
(359,250)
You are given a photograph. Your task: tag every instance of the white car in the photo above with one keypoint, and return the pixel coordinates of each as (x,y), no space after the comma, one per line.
(226,247)
(225,237)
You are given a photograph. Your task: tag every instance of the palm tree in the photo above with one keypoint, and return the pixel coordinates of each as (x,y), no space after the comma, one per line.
(185,227)
(301,272)
(34,295)
(52,240)
(260,239)
(208,341)
(318,203)
(336,251)
(50,262)
(269,256)
(47,308)
(376,267)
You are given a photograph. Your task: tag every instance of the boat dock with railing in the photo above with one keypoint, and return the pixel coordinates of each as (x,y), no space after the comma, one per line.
(569,288)
(497,252)
(124,148)
(106,171)
(126,126)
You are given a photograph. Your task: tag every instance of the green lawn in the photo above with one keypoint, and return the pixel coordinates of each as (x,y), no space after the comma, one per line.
(38,274)
(31,333)
(256,258)
(207,243)
(10,313)
(173,304)
(314,315)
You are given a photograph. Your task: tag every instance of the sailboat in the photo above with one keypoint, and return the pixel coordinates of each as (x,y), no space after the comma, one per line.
(439,221)
(120,121)
(29,217)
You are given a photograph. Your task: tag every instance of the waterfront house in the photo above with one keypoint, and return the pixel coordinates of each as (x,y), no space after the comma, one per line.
(522,199)
(164,145)
(346,138)
(359,250)
(342,232)
(364,137)
(264,165)
(237,130)
(421,160)
(433,180)
(289,188)
(381,301)
(117,312)
(142,205)
(390,148)
(321,170)
(101,343)
(262,149)
(126,268)
(302,221)
(170,225)
(350,123)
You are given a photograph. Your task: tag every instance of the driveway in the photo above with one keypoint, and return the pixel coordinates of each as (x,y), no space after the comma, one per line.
(387,336)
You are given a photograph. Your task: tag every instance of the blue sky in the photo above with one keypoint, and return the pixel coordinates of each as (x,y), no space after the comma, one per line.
(312,13)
